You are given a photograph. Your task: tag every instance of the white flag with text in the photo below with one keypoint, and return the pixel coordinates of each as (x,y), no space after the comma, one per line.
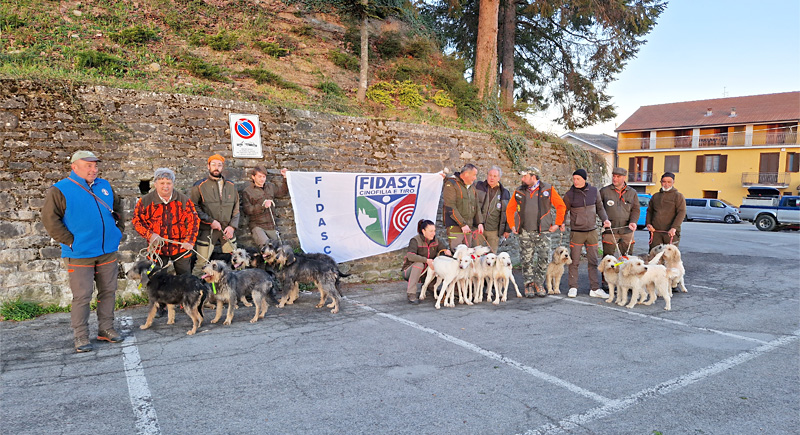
(351,215)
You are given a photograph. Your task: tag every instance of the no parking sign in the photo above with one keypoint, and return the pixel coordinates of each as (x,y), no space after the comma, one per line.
(245,136)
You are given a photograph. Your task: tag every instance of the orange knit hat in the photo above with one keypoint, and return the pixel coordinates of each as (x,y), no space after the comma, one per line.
(216,157)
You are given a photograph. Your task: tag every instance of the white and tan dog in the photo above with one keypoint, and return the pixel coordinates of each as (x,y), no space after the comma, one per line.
(609,267)
(652,278)
(555,269)
(484,275)
(447,271)
(503,276)
(672,259)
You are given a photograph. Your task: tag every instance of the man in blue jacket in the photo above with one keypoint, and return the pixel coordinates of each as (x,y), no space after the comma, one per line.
(84,215)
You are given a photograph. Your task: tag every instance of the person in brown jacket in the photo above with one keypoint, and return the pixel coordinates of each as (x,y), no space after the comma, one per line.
(622,206)
(584,205)
(217,203)
(460,213)
(422,249)
(258,200)
(665,213)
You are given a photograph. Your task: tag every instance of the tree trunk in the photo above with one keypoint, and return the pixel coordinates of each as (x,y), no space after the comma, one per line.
(507,55)
(362,76)
(486,49)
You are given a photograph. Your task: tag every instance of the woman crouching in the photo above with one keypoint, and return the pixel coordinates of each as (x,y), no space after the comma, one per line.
(422,249)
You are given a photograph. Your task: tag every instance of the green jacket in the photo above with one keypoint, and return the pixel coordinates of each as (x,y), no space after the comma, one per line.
(460,203)
(212,206)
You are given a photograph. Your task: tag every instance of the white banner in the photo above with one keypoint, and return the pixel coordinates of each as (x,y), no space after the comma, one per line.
(245,136)
(350,216)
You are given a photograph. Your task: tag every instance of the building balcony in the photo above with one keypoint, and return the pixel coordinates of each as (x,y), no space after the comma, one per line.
(779,180)
(716,140)
(640,178)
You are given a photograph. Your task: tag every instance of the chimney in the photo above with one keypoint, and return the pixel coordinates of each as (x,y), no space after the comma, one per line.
(733,112)
(709,112)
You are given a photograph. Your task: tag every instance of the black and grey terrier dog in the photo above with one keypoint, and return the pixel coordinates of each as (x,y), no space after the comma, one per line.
(235,285)
(165,288)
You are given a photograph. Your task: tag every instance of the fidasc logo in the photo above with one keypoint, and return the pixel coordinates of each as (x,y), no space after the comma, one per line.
(385,205)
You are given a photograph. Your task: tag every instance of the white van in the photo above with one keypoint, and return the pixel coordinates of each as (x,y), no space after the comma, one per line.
(711,209)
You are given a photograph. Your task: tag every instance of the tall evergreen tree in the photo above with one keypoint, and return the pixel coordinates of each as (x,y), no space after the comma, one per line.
(566,52)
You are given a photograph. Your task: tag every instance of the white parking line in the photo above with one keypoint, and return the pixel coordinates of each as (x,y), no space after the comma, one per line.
(702,286)
(139,392)
(647,316)
(493,355)
(577,420)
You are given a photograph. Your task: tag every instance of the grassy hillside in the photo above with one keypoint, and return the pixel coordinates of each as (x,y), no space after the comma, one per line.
(255,50)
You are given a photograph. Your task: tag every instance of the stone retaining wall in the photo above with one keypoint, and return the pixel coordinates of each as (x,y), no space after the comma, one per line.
(134,132)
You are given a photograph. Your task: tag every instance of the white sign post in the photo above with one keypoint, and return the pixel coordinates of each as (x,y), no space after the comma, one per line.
(245,136)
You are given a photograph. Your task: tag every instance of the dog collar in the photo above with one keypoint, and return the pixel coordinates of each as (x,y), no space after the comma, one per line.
(214,287)
(617,264)
(148,272)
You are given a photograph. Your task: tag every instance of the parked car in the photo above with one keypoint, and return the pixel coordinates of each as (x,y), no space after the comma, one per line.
(711,209)
(769,211)
(644,201)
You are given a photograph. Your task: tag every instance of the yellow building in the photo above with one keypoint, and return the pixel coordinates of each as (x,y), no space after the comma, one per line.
(716,148)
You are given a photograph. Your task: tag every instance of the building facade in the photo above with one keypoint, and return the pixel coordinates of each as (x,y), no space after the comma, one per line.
(603,145)
(716,148)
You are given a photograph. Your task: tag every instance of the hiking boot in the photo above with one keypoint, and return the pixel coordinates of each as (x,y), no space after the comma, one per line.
(540,291)
(82,344)
(530,290)
(572,292)
(413,299)
(599,293)
(109,335)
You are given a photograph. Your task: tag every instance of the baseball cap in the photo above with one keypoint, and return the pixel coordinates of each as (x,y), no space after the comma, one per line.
(530,170)
(84,155)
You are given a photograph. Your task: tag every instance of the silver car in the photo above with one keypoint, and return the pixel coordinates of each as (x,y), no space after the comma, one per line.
(711,209)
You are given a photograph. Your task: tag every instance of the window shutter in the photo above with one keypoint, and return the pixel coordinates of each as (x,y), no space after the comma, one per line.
(723,162)
(796,161)
(632,164)
(701,164)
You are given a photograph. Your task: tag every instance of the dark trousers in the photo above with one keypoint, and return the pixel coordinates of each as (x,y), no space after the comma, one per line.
(84,273)
(577,241)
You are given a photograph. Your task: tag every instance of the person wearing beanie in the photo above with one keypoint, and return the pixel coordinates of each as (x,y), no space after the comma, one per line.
(584,205)
(622,206)
(217,203)
(665,213)
(166,214)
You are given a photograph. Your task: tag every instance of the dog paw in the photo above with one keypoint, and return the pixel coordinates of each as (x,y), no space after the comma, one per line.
(319,305)
(495,302)
(171,322)
(247,304)
(335,310)
(189,332)
(226,322)
(254,320)
(144,326)
(214,320)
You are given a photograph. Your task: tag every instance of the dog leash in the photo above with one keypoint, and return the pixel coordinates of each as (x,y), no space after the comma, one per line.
(671,237)
(275,225)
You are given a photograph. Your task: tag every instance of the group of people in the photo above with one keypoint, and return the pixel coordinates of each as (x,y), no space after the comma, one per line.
(84,214)
(486,213)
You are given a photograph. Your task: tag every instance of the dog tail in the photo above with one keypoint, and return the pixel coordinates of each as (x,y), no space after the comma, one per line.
(203,298)
(657,258)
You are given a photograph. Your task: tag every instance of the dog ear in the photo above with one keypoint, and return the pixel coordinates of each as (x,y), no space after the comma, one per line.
(290,258)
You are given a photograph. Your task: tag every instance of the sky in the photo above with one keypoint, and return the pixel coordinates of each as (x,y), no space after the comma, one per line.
(704,49)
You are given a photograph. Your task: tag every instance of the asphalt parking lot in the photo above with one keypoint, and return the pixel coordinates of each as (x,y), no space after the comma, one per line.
(725,360)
